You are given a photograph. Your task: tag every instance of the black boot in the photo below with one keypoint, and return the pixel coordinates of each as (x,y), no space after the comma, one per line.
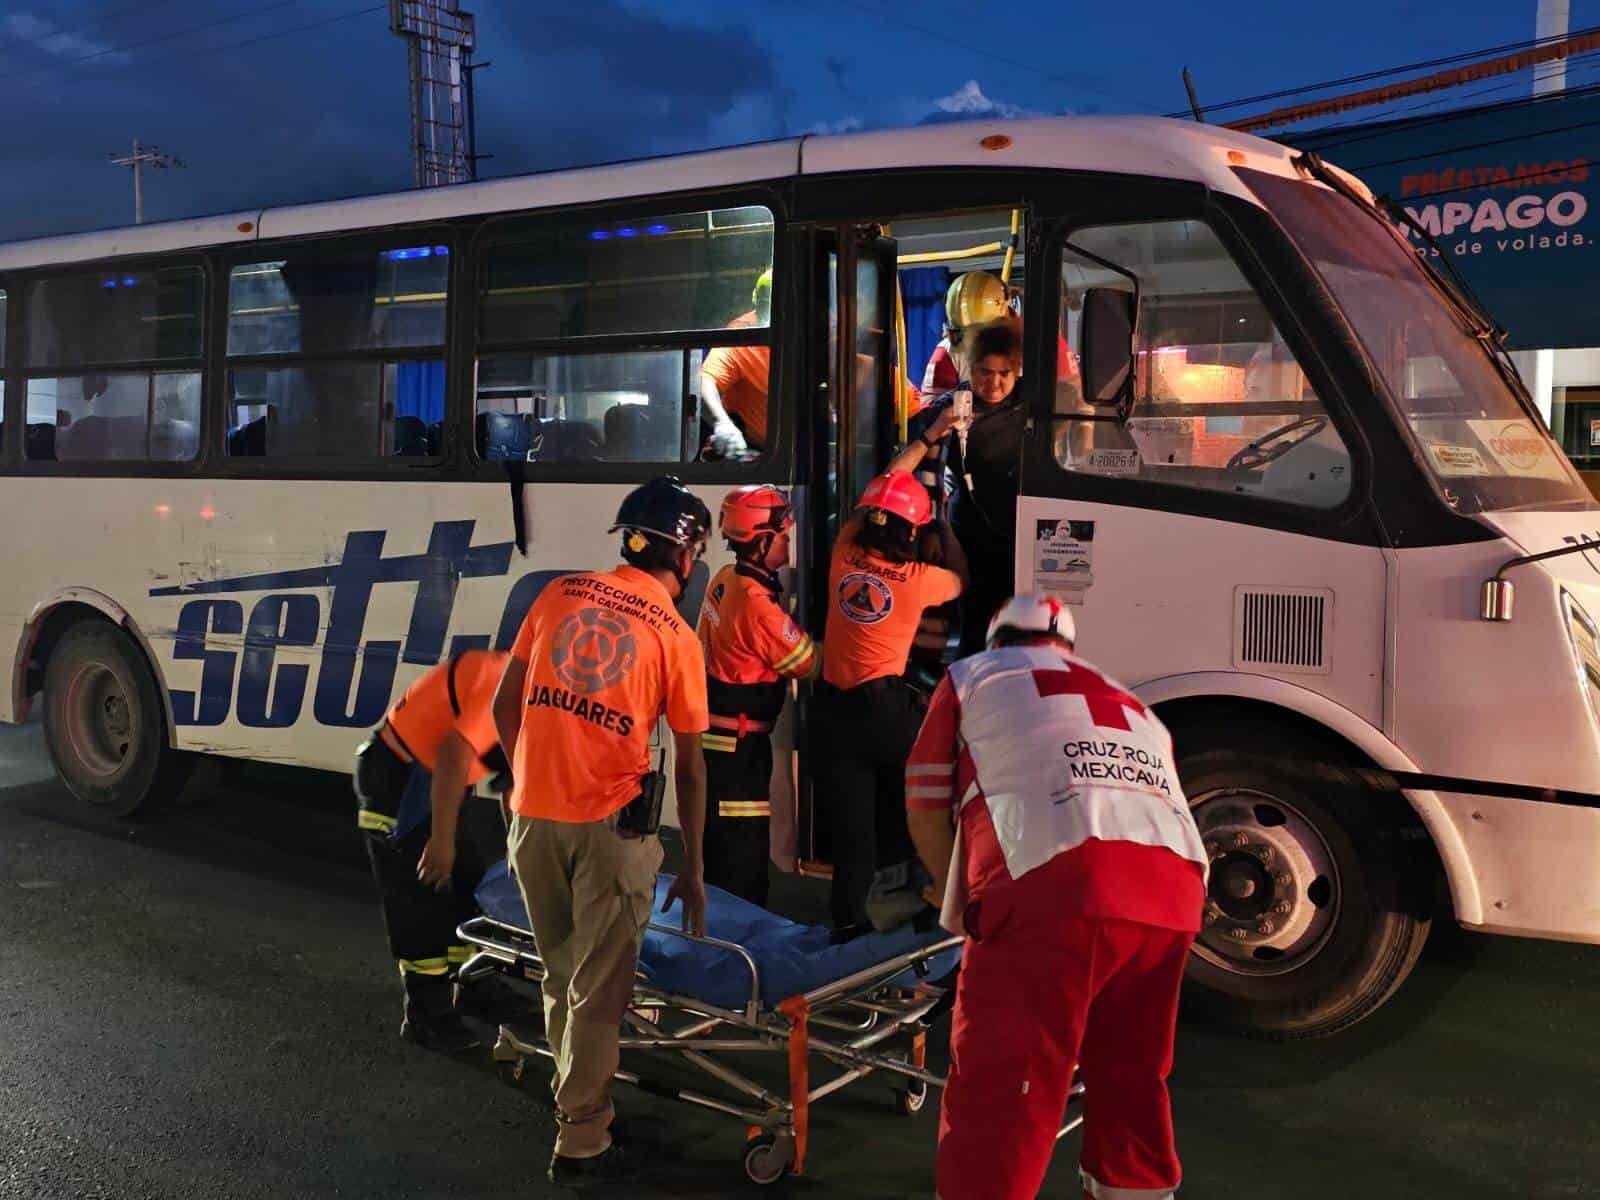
(431,1019)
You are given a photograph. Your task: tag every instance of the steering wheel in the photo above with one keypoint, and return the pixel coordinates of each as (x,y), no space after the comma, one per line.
(1276,444)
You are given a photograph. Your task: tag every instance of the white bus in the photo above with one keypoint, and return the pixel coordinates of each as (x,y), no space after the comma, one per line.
(262,469)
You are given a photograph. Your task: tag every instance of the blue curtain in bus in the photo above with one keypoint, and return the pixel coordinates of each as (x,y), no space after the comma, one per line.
(922,291)
(419,391)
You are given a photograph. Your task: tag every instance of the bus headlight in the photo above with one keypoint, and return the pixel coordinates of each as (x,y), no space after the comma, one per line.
(1585,648)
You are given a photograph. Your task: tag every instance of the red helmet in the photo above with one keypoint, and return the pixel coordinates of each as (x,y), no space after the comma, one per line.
(899,493)
(750,511)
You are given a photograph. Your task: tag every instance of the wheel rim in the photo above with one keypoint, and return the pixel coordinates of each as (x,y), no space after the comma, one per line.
(101,725)
(1274,894)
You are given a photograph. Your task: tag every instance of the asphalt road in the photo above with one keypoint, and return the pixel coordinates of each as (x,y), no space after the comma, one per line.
(201,1005)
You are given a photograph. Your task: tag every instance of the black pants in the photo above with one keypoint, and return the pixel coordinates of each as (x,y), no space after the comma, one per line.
(863,739)
(421,922)
(738,813)
(989,589)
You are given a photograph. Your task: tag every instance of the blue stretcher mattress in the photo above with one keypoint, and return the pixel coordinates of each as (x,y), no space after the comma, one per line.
(791,958)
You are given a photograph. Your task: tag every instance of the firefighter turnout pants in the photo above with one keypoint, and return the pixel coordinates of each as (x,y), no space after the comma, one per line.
(738,811)
(863,737)
(1043,991)
(589,891)
(421,921)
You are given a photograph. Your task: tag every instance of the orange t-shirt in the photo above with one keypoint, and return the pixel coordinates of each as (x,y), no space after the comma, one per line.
(607,653)
(746,635)
(740,373)
(874,606)
(457,695)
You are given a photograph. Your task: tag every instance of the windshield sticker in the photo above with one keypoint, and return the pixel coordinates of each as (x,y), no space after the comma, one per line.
(1168,441)
(1457,460)
(1063,558)
(1519,448)
(1108,462)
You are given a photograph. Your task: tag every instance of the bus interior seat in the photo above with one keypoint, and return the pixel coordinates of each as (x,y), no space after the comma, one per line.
(435,437)
(641,433)
(556,440)
(174,441)
(96,439)
(503,435)
(40,442)
(410,437)
(250,439)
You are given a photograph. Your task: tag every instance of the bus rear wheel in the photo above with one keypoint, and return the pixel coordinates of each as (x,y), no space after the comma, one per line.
(103,722)
(1311,917)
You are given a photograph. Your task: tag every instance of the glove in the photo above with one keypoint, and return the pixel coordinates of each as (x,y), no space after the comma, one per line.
(726,440)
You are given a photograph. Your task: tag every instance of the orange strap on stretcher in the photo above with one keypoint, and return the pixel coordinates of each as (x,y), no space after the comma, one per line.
(799,1013)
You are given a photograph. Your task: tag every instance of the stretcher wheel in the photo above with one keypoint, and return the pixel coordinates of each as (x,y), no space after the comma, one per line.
(765,1161)
(912,1097)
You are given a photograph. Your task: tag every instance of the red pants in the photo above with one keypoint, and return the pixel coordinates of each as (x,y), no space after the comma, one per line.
(1040,994)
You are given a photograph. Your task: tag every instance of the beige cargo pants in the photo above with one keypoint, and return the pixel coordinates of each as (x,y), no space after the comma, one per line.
(589,892)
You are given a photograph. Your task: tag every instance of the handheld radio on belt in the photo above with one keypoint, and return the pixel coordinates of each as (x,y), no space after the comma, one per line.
(641,816)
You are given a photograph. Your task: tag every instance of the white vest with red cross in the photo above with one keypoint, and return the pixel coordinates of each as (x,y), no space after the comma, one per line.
(1063,754)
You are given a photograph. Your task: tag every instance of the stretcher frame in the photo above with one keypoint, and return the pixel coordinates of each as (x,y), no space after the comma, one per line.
(845,1024)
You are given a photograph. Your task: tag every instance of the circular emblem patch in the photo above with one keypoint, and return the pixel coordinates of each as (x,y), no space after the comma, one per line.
(864,598)
(593,650)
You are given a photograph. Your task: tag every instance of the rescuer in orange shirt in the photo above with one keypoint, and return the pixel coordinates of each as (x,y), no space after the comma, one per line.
(599,658)
(752,648)
(868,713)
(429,839)
(733,382)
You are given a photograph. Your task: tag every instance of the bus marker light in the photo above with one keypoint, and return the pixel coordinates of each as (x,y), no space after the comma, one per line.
(163,509)
(1237,158)
(207,513)
(996,141)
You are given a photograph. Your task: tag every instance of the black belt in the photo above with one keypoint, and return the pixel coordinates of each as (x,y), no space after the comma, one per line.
(874,687)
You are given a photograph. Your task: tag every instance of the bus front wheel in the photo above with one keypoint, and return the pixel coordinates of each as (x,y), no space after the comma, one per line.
(103,722)
(1311,918)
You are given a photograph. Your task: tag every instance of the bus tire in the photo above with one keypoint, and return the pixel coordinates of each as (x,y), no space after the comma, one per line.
(104,725)
(1315,909)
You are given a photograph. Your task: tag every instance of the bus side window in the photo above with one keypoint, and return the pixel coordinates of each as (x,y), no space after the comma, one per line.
(1219,402)
(687,294)
(338,353)
(85,399)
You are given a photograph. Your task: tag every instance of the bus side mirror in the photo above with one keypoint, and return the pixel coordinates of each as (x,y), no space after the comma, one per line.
(1108,323)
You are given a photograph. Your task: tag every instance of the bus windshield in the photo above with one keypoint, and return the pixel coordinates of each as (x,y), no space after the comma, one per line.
(1483,447)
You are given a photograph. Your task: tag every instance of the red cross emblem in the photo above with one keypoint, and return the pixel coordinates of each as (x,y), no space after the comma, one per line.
(1108,706)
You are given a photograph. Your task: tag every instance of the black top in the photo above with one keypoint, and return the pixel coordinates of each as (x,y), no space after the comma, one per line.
(987,513)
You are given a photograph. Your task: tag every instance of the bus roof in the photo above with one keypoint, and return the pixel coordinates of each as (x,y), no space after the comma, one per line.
(1148,146)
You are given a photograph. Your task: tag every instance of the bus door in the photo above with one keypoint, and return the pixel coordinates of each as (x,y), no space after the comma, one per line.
(853,424)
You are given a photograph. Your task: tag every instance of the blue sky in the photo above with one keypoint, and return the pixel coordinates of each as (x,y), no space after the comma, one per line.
(323,112)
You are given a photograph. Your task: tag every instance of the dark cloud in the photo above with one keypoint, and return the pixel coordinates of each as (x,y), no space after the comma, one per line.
(325,113)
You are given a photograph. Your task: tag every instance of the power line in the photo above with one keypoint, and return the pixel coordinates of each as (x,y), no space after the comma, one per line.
(1367,132)
(1580,62)
(265,37)
(155,41)
(83,30)
(1508,48)
(897,22)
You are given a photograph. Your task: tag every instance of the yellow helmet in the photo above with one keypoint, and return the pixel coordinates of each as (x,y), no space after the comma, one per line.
(762,292)
(975,298)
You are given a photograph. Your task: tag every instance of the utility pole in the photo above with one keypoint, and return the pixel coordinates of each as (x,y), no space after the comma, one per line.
(141,156)
(1550,23)
(440,39)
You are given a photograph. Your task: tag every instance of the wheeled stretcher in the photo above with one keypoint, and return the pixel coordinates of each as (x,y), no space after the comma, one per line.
(757,983)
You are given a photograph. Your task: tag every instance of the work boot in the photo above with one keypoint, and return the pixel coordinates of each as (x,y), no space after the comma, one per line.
(611,1165)
(431,1020)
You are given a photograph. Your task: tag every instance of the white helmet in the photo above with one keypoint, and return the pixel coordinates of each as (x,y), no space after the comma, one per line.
(1028,613)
